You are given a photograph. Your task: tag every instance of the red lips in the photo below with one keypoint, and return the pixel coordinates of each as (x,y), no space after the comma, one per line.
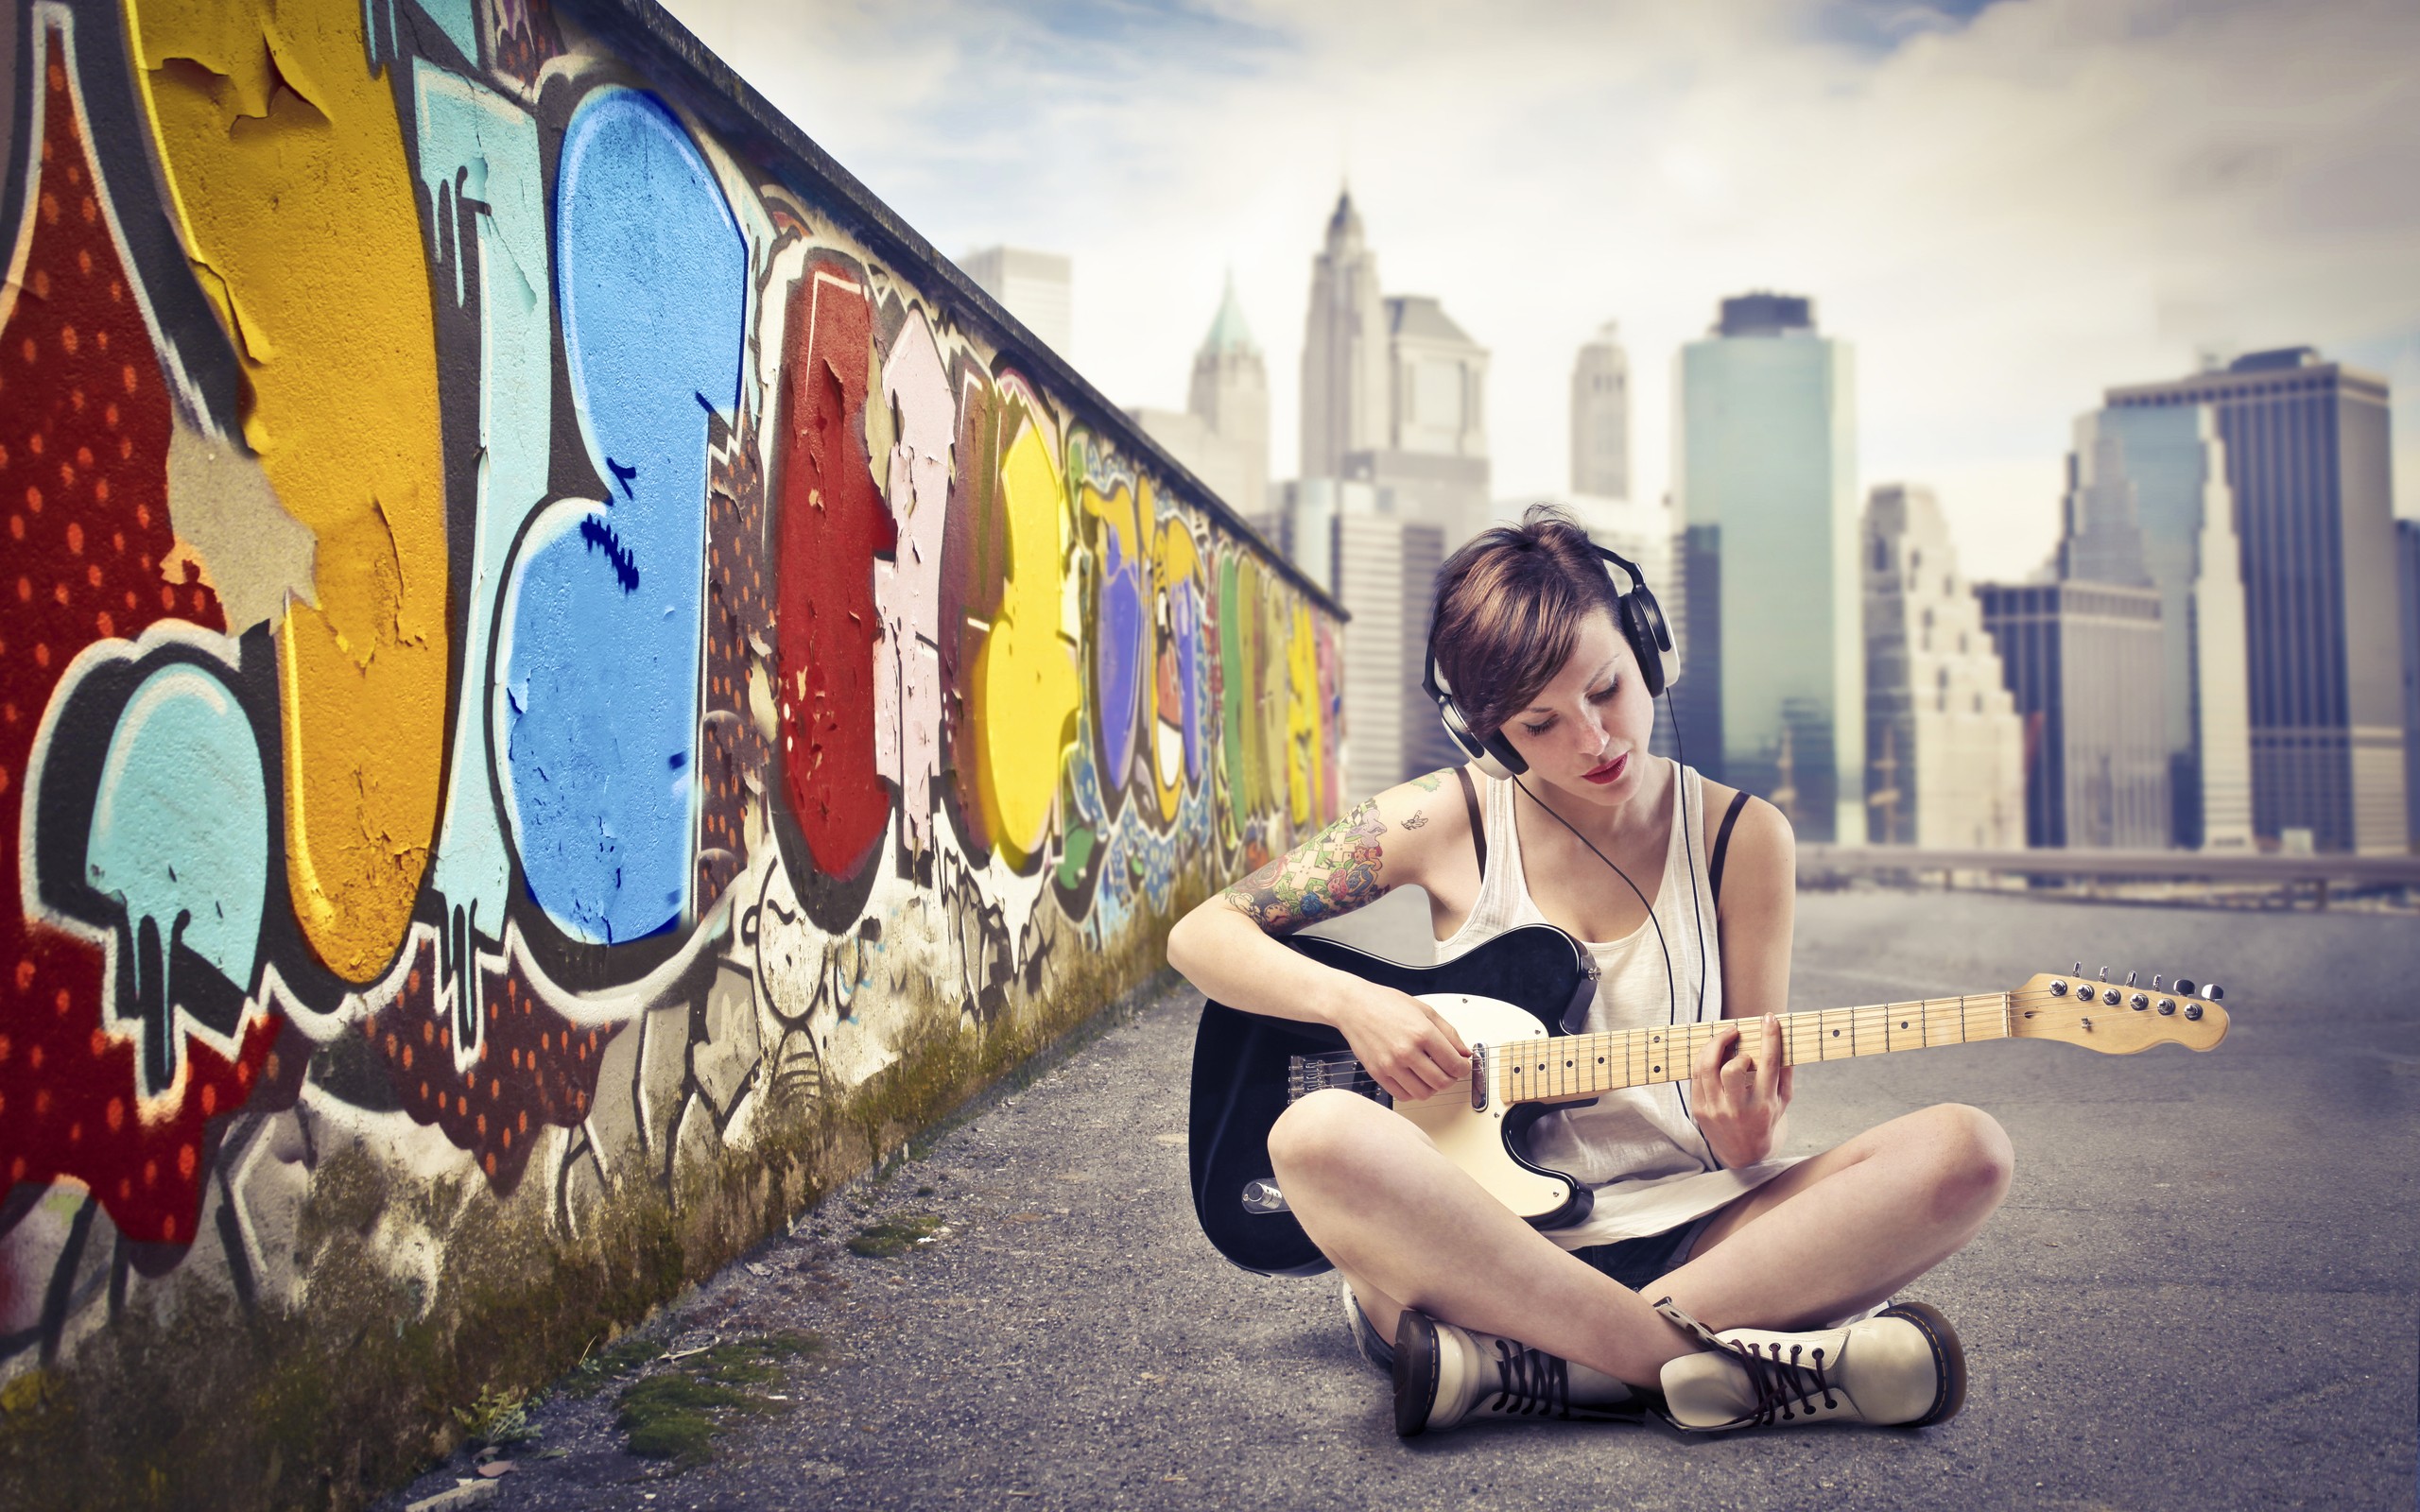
(1611,772)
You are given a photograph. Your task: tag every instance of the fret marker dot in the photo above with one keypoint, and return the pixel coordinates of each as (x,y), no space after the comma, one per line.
(1835,1034)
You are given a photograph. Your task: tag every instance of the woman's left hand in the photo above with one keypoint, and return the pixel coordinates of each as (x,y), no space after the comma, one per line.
(1739,1089)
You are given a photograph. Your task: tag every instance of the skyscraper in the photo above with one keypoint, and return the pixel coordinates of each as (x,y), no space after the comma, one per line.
(2407,558)
(1394,476)
(1346,364)
(2085,664)
(2306,445)
(1766,488)
(1230,392)
(2149,504)
(1944,749)
(1431,466)
(1222,433)
(1601,417)
(1037,287)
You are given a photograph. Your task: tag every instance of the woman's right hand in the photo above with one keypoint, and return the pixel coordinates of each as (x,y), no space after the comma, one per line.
(1405,1045)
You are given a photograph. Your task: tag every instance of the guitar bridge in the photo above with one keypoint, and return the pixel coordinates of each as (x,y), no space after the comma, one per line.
(1305,1075)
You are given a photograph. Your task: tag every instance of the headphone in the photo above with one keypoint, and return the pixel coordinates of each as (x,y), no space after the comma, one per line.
(1636,616)
(1640,621)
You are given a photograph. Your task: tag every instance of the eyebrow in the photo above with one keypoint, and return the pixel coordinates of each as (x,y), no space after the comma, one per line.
(1612,665)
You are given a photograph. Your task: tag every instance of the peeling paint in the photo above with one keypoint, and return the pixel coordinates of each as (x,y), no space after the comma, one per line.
(488,836)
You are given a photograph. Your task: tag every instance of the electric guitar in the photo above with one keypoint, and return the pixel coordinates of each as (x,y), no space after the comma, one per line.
(1511,1000)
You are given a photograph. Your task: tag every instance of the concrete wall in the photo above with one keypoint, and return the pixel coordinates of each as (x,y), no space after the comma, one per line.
(565,683)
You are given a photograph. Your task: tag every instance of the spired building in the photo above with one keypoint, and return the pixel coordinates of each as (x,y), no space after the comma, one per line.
(1222,433)
(1773,699)
(1394,477)
(2306,458)
(2151,505)
(1944,750)
(1394,393)
(1601,418)
(1347,373)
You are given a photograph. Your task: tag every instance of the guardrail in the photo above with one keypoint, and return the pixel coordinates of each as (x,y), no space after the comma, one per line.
(1817,862)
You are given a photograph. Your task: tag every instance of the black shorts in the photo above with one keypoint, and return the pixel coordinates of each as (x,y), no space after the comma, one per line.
(1637,1264)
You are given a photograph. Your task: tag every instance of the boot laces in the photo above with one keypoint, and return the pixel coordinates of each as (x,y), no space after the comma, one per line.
(1529,1380)
(1778,1383)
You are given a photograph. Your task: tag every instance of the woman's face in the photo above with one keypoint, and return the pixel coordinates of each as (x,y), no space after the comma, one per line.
(1586,730)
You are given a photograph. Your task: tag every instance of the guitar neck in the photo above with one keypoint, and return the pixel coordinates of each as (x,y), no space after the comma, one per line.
(1586,1064)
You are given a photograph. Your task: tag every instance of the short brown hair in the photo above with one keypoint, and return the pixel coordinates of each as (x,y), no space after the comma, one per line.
(1509,609)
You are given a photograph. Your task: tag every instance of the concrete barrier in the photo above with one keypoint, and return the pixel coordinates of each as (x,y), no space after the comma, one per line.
(568,683)
(1817,861)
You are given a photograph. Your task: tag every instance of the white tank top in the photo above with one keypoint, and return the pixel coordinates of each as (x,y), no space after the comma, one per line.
(1638,1147)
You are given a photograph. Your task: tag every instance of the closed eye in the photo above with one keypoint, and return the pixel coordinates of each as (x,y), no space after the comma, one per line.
(1603,694)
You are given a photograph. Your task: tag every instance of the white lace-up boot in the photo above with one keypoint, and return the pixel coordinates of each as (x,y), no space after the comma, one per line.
(1444,1375)
(1903,1366)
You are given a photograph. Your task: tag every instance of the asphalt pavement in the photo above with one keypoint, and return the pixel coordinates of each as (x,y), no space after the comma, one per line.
(2199,1293)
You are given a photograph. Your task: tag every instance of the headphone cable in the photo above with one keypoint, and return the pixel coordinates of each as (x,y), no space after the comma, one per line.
(1670,988)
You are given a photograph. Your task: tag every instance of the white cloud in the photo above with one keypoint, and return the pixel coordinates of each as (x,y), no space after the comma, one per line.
(2006,216)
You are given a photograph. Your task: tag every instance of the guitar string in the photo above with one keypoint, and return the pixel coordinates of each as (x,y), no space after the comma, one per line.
(1924,1017)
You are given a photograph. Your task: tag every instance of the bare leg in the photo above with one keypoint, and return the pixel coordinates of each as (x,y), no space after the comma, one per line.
(1408,1229)
(1836,1234)
(1828,1238)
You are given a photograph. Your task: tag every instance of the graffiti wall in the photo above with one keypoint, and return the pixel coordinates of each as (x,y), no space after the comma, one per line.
(531,654)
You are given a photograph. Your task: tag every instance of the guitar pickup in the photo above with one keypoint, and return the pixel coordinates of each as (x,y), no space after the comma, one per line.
(1478,1079)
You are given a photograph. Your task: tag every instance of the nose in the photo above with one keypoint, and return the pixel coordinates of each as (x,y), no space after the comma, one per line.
(1594,736)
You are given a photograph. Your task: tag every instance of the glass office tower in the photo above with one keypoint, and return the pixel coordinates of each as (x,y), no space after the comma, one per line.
(1766,488)
(2307,460)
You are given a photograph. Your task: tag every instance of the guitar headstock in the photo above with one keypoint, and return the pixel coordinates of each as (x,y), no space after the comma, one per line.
(2118,1019)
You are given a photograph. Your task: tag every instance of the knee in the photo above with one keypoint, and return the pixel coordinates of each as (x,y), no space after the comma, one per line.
(1971,1159)
(1321,1136)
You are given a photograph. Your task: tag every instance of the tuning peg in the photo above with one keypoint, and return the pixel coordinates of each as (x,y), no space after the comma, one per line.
(2104,975)
(2155,986)
(2185,986)
(2079,970)
(2130,979)
(2215,992)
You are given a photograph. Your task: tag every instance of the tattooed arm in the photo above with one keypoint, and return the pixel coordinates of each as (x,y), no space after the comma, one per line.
(1334,872)
(1418,834)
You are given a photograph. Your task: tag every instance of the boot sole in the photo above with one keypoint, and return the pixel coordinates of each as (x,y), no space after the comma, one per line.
(1948,1358)
(1416,1366)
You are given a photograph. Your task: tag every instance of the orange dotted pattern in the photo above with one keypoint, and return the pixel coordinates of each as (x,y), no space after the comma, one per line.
(533,1067)
(739,607)
(84,426)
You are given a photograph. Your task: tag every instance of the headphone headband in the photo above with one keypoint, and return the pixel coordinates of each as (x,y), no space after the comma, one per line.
(1637,618)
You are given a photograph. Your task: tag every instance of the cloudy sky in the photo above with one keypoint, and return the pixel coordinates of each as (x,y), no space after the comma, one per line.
(2005,207)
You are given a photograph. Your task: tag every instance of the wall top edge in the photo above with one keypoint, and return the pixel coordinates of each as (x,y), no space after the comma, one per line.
(651,37)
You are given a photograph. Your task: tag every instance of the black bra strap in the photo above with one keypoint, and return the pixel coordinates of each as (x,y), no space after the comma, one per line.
(1479,834)
(1722,844)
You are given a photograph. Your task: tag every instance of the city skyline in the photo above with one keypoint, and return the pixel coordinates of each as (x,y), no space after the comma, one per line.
(2009,208)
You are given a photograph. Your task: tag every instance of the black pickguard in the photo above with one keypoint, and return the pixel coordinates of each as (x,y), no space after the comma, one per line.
(1241,1062)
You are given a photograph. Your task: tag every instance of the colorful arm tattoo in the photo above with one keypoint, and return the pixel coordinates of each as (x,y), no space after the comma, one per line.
(1333,872)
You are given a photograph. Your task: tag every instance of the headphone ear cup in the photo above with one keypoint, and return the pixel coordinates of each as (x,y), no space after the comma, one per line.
(1650,639)
(1501,761)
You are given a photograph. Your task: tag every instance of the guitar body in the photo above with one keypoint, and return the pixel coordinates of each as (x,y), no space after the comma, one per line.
(1524,983)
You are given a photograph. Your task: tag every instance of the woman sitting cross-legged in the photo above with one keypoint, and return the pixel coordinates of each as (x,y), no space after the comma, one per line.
(1713,1279)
